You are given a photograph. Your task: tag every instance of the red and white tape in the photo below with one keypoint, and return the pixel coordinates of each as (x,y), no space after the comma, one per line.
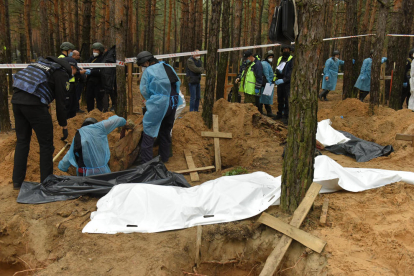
(345,37)
(400,35)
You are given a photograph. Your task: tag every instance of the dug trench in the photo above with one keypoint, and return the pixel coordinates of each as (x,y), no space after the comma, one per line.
(367,233)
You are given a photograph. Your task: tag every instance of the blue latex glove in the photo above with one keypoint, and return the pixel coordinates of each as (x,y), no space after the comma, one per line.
(384,59)
(257,91)
(405,85)
(280,81)
(353,61)
(88,72)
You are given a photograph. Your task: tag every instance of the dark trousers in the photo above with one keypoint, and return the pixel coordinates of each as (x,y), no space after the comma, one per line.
(71,101)
(267,107)
(195,96)
(283,93)
(164,138)
(36,117)
(109,93)
(362,95)
(405,95)
(93,91)
(79,89)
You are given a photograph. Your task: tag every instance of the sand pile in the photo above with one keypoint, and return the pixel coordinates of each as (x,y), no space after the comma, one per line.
(249,128)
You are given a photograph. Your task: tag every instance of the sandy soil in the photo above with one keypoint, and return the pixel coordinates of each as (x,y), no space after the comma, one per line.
(368,233)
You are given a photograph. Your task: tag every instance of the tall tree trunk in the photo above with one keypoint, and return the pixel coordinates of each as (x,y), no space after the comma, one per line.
(86,28)
(259,23)
(168,45)
(93,21)
(56,27)
(121,36)
(70,23)
(147,24)
(130,46)
(350,51)
(368,41)
(237,28)
(165,24)
(23,41)
(45,43)
(152,26)
(224,56)
(137,27)
(206,29)
(245,28)
(191,26)
(401,48)
(107,23)
(4,95)
(112,37)
(8,45)
(376,60)
(303,105)
(50,20)
(63,25)
(77,28)
(199,32)
(102,35)
(211,63)
(253,27)
(326,50)
(175,28)
(28,28)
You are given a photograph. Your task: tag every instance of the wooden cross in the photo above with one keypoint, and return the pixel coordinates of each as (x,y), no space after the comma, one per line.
(405,137)
(291,230)
(216,135)
(192,168)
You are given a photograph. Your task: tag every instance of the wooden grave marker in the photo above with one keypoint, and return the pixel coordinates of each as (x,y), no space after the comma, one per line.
(322,221)
(192,169)
(216,135)
(405,137)
(274,259)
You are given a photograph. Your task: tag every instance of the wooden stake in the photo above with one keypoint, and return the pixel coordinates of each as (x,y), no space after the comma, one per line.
(299,215)
(130,99)
(322,221)
(190,163)
(308,240)
(217,144)
(196,169)
(198,246)
(405,137)
(216,134)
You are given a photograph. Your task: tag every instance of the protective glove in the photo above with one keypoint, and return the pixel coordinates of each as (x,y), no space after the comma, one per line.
(279,81)
(353,61)
(88,72)
(257,91)
(130,124)
(237,80)
(384,59)
(65,134)
(405,85)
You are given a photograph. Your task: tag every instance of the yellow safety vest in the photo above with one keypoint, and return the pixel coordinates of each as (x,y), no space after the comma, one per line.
(73,78)
(248,81)
(278,62)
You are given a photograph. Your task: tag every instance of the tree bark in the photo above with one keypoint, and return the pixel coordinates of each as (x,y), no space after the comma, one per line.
(175,28)
(376,60)
(77,28)
(70,20)
(211,63)
(401,48)
(137,26)
(191,27)
(93,21)
(303,105)
(237,28)
(56,26)
(4,95)
(102,24)
(112,23)
(253,27)
(326,46)
(369,39)
(165,24)
(23,42)
(63,25)
(130,32)
(44,32)
(168,44)
(121,36)
(259,24)
(152,26)
(28,28)
(206,29)
(147,24)
(350,51)
(224,56)
(86,28)
(8,45)
(199,25)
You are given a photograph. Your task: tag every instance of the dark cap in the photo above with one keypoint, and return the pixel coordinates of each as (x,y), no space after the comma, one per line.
(247,54)
(72,62)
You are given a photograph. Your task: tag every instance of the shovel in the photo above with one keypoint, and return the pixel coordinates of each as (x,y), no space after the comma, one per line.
(61,151)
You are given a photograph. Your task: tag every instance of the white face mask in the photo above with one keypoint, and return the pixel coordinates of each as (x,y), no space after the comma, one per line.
(270,59)
(95,54)
(197,58)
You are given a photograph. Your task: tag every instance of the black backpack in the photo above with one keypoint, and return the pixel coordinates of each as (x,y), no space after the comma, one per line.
(282,27)
(108,74)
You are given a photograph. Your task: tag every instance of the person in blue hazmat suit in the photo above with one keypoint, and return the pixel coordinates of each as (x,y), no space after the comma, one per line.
(330,75)
(363,82)
(89,152)
(160,86)
(265,100)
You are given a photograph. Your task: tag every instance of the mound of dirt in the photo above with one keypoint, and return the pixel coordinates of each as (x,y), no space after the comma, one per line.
(250,130)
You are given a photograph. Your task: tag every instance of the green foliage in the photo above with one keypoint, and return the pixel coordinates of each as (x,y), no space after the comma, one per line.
(236,171)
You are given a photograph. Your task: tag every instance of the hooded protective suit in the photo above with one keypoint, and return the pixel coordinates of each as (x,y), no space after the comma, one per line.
(268,74)
(331,71)
(95,147)
(411,100)
(364,80)
(155,88)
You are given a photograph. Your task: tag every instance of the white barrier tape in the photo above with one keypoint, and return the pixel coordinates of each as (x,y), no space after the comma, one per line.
(96,65)
(400,35)
(247,47)
(343,37)
(13,66)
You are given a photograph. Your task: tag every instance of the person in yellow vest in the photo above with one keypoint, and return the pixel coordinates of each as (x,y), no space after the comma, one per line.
(251,79)
(282,91)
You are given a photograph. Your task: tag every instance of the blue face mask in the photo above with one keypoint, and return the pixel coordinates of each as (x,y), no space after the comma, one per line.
(248,61)
(70,54)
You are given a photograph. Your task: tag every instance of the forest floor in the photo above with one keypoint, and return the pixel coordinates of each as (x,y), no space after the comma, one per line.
(368,233)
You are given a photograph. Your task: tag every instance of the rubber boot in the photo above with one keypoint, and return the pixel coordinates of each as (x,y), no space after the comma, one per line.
(269,111)
(322,95)
(362,95)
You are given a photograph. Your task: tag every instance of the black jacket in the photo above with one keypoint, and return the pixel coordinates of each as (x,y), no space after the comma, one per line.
(95,74)
(194,70)
(407,71)
(58,83)
(287,71)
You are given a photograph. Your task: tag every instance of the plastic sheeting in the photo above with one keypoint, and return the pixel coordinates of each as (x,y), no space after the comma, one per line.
(150,208)
(327,135)
(58,188)
(361,150)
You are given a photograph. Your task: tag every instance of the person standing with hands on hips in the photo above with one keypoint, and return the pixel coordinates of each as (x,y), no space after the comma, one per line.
(35,87)
(194,71)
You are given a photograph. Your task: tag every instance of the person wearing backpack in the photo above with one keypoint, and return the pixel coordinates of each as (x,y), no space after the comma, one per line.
(35,88)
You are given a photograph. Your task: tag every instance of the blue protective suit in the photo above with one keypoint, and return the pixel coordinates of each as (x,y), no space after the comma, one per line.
(364,80)
(268,73)
(155,88)
(331,71)
(95,147)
